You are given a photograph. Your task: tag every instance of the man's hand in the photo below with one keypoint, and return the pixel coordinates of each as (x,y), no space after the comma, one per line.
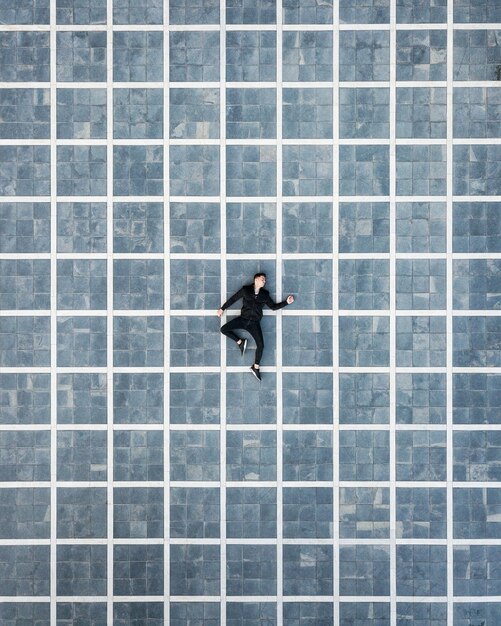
(290,299)
(219,312)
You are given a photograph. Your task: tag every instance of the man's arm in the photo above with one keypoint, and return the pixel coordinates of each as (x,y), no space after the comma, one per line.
(274,306)
(236,296)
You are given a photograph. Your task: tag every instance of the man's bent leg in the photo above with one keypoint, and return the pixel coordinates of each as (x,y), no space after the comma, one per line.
(257,334)
(232,325)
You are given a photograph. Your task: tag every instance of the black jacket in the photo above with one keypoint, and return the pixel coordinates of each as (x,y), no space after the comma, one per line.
(252,307)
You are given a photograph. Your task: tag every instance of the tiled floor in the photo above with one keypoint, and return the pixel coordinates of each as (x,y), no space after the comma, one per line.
(153,156)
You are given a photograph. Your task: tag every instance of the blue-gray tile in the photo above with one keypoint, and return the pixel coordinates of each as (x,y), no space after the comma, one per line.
(24,113)
(419,12)
(81,570)
(194,113)
(307,56)
(193,56)
(25,513)
(129,613)
(364,341)
(194,570)
(138,56)
(421,570)
(476,170)
(25,227)
(81,398)
(251,455)
(476,570)
(307,512)
(138,570)
(138,455)
(194,341)
(364,170)
(307,570)
(194,170)
(25,399)
(477,456)
(307,398)
(205,613)
(421,227)
(81,341)
(364,227)
(82,455)
(25,56)
(476,341)
(194,455)
(476,513)
(138,512)
(138,170)
(476,54)
(251,170)
(364,512)
(149,12)
(25,571)
(194,227)
(25,341)
(364,399)
(81,56)
(25,170)
(25,612)
(476,398)
(138,341)
(251,512)
(421,513)
(138,227)
(25,284)
(421,341)
(307,11)
(364,455)
(32,12)
(251,570)
(81,12)
(307,455)
(194,12)
(364,570)
(251,113)
(138,398)
(194,398)
(138,113)
(81,170)
(364,55)
(250,56)
(250,12)
(81,113)
(195,512)
(82,512)
(422,54)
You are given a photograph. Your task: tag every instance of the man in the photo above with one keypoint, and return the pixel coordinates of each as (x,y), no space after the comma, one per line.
(254,297)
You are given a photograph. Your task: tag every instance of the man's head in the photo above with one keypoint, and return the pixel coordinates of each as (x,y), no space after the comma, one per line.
(259,280)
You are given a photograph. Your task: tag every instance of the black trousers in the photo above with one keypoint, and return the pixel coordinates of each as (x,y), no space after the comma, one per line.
(252,327)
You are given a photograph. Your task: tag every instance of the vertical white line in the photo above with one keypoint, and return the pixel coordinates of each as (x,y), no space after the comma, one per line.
(53,315)
(279,296)
(222,398)
(335,310)
(166,369)
(109,300)
(393,341)
(449,320)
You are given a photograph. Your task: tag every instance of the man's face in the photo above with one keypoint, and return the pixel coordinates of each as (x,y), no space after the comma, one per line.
(259,282)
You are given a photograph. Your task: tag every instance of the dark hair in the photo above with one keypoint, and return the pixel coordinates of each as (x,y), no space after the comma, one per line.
(259,274)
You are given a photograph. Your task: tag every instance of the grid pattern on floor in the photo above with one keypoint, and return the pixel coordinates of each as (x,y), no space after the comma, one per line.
(153,156)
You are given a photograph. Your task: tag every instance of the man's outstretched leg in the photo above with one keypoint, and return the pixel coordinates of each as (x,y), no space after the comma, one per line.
(228,329)
(257,334)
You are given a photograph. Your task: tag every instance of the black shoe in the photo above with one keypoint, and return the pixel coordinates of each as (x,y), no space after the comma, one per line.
(256,372)
(242,345)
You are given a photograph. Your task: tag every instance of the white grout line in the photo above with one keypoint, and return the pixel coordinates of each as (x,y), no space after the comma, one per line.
(109,303)
(53,318)
(449,322)
(393,320)
(223,341)
(279,546)
(166,314)
(336,405)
